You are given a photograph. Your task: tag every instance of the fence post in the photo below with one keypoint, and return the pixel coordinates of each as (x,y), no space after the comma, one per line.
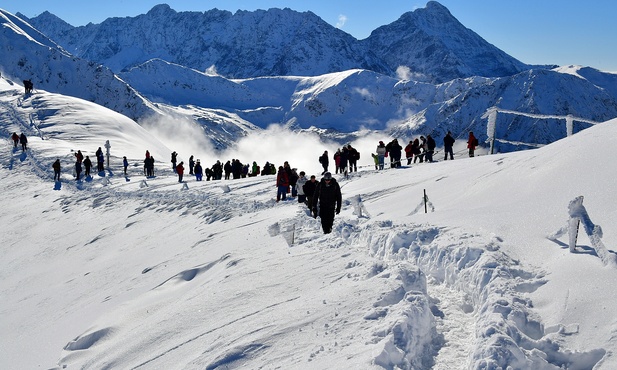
(492,127)
(569,125)
(491,115)
(574,222)
(107,146)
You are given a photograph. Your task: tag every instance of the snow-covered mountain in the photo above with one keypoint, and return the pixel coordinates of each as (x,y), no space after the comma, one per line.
(434,46)
(131,272)
(28,54)
(357,100)
(429,42)
(339,106)
(243,44)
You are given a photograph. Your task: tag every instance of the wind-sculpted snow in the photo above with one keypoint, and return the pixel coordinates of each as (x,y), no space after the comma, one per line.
(421,259)
(508,333)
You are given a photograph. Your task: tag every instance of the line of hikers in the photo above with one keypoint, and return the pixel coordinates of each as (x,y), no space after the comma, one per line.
(420,149)
(344,158)
(84,164)
(231,169)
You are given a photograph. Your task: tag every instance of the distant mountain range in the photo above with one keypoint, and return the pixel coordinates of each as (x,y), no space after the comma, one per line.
(294,69)
(429,42)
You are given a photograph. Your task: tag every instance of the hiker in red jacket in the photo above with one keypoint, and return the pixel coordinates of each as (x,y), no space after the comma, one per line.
(282,184)
(15,138)
(180,171)
(472,143)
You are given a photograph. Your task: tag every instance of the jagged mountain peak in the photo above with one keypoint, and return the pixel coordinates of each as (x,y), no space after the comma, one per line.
(430,42)
(161,9)
(434,6)
(433,18)
(434,46)
(45,16)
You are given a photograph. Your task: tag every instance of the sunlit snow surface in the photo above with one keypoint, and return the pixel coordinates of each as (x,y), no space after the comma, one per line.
(133,272)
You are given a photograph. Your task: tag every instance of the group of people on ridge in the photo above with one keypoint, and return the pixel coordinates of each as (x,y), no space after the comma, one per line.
(344,158)
(322,197)
(232,169)
(82,164)
(420,149)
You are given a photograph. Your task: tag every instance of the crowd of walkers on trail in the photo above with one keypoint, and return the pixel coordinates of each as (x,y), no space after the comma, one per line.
(232,169)
(322,197)
(82,164)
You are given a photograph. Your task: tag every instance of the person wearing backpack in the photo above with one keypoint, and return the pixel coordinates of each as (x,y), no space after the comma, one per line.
(354,156)
(472,143)
(448,143)
(56,167)
(323,159)
(328,197)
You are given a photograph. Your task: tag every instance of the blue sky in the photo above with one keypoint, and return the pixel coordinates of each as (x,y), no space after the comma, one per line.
(534,31)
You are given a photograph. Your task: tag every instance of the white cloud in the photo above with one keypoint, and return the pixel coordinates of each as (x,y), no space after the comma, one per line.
(365,93)
(342,19)
(278,144)
(182,135)
(405,73)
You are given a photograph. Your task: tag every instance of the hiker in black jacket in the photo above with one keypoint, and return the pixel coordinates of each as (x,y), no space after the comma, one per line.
(328,197)
(309,190)
(448,142)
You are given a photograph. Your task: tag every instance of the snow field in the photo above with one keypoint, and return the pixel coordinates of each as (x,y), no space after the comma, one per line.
(112,273)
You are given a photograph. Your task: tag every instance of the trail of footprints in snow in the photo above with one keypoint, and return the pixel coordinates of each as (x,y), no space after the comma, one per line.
(470,288)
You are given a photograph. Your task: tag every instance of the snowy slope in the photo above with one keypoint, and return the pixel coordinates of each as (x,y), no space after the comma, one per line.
(25,54)
(148,273)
